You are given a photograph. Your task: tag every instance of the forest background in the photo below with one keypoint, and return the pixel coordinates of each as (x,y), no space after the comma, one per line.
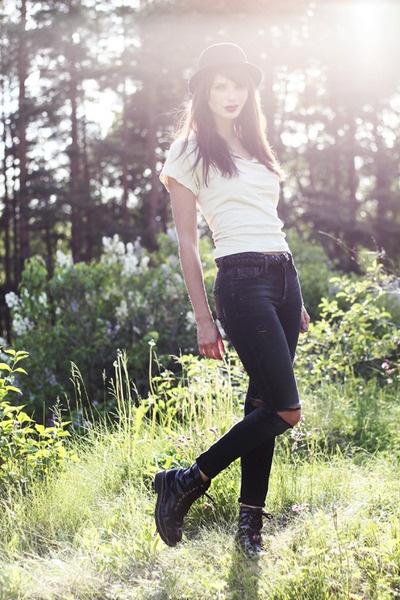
(90,93)
(101,382)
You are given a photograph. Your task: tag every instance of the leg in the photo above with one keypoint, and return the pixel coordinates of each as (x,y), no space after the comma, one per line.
(289,313)
(262,347)
(256,464)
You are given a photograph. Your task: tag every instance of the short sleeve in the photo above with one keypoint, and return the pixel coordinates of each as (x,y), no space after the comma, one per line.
(180,167)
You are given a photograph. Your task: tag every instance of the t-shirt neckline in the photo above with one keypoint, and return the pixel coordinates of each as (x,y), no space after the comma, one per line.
(253,159)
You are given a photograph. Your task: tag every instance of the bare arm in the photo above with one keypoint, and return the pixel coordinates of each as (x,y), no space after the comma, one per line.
(184,211)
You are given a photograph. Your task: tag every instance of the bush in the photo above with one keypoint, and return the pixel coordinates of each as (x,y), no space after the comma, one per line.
(314,268)
(27,449)
(86,312)
(356,334)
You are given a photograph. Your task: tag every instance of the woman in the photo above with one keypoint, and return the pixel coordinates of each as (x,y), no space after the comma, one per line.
(226,166)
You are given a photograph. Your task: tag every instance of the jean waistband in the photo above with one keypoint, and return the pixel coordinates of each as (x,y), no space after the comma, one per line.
(252,258)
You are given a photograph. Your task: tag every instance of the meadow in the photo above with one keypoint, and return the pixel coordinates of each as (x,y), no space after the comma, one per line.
(85,528)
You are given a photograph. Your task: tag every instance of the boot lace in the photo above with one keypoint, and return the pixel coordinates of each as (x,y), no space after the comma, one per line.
(250,525)
(186,499)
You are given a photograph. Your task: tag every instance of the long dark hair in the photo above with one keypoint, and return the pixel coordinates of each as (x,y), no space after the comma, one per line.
(250,127)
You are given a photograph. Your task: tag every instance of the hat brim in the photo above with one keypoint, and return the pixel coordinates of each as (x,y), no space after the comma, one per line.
(254,71)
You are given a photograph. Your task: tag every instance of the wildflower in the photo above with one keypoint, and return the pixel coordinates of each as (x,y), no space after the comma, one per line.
(21,325)
(299,508)
(171,233)
(43,298)
(63,260)
(121,311)
(12,299)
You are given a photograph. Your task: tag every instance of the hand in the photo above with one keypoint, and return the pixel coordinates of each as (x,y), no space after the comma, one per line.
(304,319)
(209,340)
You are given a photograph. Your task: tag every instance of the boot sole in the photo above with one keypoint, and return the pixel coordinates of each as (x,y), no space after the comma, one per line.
(252,554)
(158,487)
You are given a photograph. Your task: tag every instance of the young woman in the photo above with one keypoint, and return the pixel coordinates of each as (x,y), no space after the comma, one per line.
(222,161)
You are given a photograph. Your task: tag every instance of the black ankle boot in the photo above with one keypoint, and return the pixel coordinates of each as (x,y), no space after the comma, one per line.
(248,536)
(177,489)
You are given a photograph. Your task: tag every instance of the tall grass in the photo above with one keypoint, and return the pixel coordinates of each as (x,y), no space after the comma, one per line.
(88,531)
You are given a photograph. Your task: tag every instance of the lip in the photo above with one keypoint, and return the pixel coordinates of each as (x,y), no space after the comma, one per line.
(232,108)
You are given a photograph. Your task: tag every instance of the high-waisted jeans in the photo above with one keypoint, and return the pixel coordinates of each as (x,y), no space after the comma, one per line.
(258,302)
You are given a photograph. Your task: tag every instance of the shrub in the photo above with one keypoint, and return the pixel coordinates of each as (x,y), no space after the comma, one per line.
(356,334)
(27,449)
(85,312)
(314,269)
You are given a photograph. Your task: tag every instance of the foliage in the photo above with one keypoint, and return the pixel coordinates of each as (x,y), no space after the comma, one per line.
(27,449)
(356,335)
(86,312)
(333,497)
(314,269)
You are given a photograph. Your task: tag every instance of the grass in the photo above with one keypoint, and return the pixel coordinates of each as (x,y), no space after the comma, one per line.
(88,532)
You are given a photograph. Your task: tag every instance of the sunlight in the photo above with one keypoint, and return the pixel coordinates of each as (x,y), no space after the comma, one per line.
(365,15)
(368,24)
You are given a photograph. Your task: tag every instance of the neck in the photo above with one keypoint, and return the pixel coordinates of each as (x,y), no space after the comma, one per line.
(225,128)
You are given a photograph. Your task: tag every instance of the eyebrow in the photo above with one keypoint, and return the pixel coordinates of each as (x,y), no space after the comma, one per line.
(224,82)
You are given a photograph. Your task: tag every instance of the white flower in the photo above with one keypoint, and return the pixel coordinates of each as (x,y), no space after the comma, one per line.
(172,234)
(21,325)
(144,262)
(43,299)
(120,248)
(129,255)
(165,269)
(121,311)
(190,320)
(63,260)
(173,260)
(130,265)
(12,299)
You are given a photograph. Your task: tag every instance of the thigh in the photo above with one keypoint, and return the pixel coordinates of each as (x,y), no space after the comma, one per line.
(250,319)
(289,310)
(253,396)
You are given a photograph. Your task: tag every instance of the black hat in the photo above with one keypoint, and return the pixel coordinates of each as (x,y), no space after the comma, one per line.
(223,54)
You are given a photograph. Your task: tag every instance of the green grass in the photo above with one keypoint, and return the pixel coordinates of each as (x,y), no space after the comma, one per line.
(88,532)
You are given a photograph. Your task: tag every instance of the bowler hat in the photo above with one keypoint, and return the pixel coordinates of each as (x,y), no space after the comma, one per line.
(220,55)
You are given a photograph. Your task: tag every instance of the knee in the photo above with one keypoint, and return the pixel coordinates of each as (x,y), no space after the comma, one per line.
(290,416)
(255,402)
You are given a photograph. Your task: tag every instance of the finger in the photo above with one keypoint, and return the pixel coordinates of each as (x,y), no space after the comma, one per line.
(212,352)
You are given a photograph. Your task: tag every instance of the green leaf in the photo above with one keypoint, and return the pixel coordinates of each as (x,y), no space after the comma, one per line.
(23,417)
(12,388)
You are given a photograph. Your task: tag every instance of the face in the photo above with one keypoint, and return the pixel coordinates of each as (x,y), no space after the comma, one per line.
(225,92)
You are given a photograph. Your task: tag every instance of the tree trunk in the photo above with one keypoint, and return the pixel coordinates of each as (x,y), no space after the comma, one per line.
(23,200)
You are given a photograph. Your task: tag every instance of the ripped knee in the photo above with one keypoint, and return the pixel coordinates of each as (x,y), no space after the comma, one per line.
(291,415)
(256,402)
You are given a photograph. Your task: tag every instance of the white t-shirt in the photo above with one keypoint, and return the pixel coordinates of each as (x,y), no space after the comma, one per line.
(241,211)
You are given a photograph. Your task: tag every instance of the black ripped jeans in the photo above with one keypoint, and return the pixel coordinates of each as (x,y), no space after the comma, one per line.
(258,302)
